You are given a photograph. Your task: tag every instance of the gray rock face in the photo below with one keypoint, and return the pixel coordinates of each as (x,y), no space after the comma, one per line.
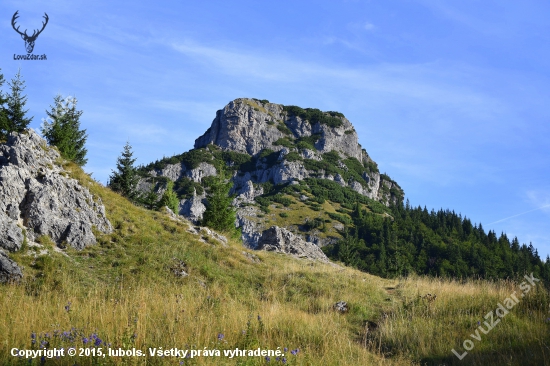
(250,230)
(36,196)
(289,171)
(11,235)
(243,126)
(247,193)
(281,240)
(176,171)
(172,171)
(308,154)
(9,270)
(193,208)
(249,126)
(203,170)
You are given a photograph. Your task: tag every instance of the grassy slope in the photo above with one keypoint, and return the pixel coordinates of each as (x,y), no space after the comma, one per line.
(124,291)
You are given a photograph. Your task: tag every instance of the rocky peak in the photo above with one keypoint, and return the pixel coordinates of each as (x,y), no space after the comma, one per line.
(301,137)
(251,125)
(281,159)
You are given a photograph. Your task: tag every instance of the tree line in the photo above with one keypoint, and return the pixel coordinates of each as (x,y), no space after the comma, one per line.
(437,243)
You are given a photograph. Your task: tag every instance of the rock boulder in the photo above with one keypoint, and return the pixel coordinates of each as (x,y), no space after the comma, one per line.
(281,240)
(9,270)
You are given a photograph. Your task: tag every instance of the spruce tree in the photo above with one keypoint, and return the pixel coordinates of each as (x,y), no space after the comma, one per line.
(15,104)
(63,130)
(220,214)
(151,199)
(125,180)
(170,198)
(347,250)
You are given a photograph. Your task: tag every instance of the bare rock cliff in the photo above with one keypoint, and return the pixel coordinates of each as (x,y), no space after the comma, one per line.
(249,126)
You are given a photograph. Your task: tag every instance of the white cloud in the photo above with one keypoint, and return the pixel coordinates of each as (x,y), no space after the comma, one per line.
(368,26)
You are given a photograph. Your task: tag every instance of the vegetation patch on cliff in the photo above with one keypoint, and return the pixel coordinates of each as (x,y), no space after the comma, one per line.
(313,115)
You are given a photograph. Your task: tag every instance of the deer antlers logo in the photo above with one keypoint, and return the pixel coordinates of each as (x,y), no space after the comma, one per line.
(29,40)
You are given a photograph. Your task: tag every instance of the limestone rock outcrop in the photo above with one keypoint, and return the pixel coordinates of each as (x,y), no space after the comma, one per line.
(176,171)
(249,126)
(38,198)
(281,240)
(193,208)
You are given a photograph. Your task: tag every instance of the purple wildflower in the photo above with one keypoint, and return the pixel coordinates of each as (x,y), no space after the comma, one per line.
(285,349)
(284,360)
(295,351)
(220,336)
(267,358)
(85,340)
(98,342)
(68,307)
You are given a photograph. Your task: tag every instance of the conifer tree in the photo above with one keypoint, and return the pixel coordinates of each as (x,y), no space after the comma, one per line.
(170,198)
(15,104)
(63,130)
(151,199)
(220,214)
(125,180)
(347,250)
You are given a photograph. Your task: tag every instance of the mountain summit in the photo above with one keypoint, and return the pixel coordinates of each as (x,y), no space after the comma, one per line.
(253,126)
(303,164)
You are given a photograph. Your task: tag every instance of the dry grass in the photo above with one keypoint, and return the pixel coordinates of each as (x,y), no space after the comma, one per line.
(427,328)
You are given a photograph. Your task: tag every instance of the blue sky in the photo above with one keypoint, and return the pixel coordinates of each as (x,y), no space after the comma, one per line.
(449,98)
